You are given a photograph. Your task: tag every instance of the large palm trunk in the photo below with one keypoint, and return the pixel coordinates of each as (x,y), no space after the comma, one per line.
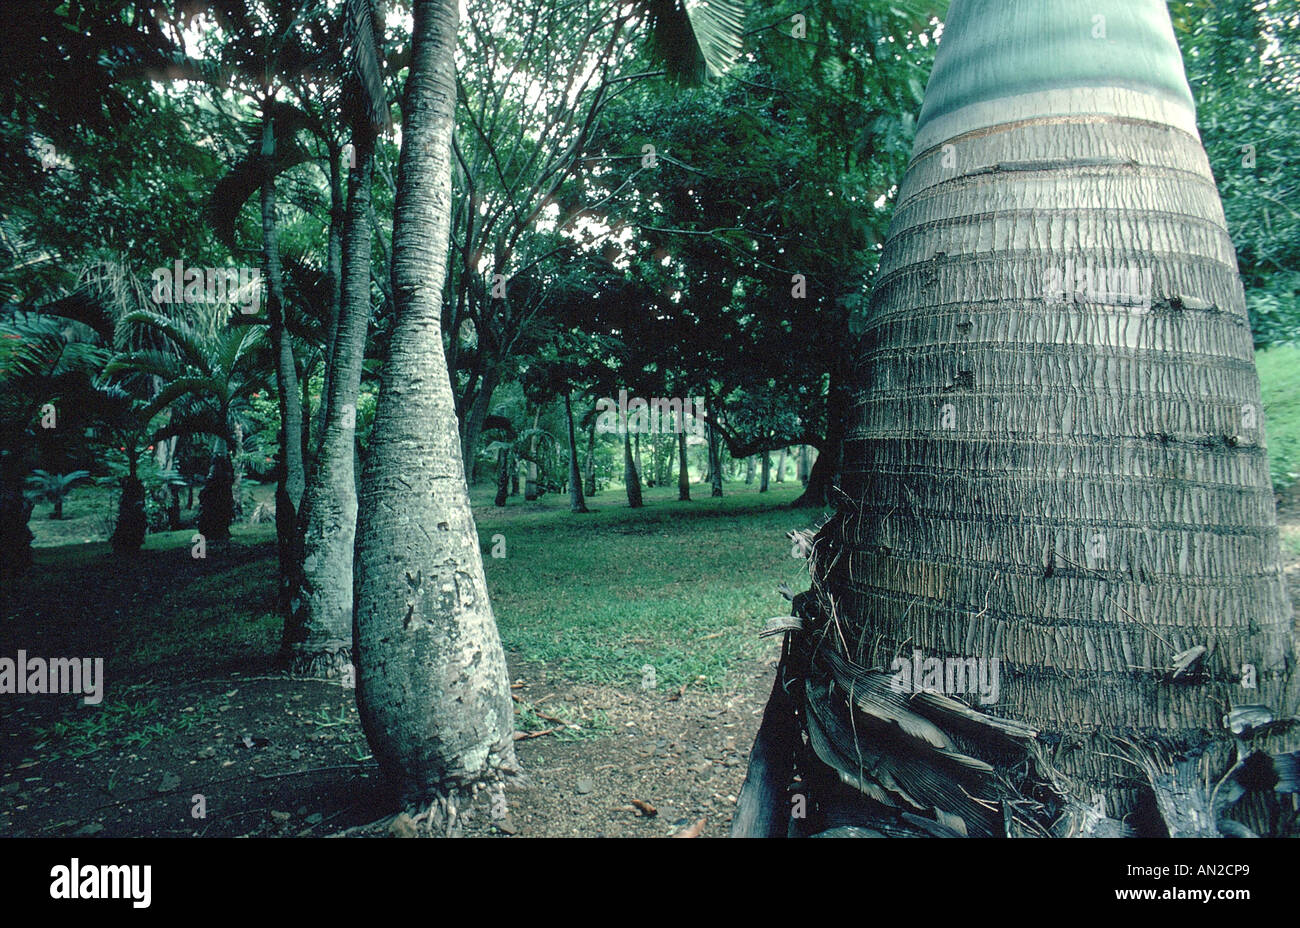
(1067,484)
(318,633)
(432,689)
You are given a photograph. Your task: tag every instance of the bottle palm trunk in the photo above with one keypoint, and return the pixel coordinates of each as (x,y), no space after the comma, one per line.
(432,689)
(1055,457)
(318,632)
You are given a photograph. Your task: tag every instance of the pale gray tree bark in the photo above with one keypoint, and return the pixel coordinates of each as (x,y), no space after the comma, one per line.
(318,632)
(432,688)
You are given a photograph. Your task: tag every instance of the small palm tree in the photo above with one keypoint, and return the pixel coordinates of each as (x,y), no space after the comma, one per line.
(45,487)
(208,372)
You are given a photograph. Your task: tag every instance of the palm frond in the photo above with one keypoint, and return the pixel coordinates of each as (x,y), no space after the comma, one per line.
(696,39)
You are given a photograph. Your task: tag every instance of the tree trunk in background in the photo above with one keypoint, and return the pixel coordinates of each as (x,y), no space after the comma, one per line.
(334,273)
(749,470)
(216,500)
(318,634)
(640,468)
(530,484)
(631,476)
(132,522)
(663,462)
(683,470)
(305,387)
(477,416)
(292,479)
(576,502)
(432,688)
(824,473)
(503,477)
(715,463)
(803,464)
(767,470)
(590,473)
(1065,476)
(15,512)
(235,458)
(780,466)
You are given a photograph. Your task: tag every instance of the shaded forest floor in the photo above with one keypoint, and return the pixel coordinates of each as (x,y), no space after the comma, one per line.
(587,605)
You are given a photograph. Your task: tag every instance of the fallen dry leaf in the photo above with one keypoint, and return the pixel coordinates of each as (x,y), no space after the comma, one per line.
(693,831)
(644,808)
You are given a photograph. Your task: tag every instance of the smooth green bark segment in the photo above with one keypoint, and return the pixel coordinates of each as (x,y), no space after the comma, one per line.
(992,49)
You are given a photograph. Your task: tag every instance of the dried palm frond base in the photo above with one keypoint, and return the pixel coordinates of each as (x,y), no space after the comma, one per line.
(841,753)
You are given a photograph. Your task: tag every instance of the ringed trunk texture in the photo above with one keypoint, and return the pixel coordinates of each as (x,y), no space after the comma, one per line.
(432,689)
(1055,457)
(318,632)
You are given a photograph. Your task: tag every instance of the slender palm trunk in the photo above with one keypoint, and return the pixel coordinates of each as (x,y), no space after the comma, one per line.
(576,501)
(530,485)
(503,477)
(292,480)
(1055,456)
(432,688)
(334,272)
(631,476)
(683,470)
(715,460)
(318,633)
(589,475)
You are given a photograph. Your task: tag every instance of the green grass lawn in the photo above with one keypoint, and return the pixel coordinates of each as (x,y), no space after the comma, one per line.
(1279,377)
(683,587)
